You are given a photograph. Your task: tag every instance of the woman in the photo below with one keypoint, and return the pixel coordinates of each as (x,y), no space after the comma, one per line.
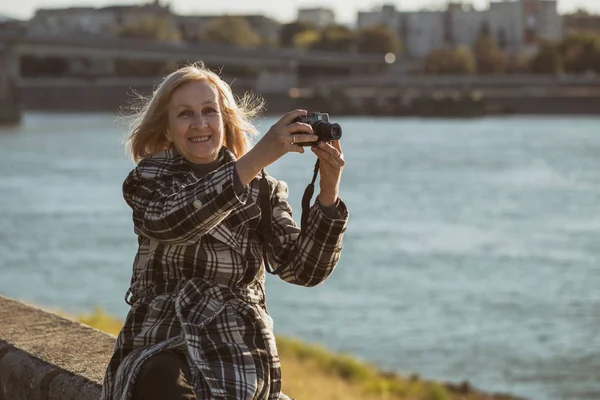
(198,327)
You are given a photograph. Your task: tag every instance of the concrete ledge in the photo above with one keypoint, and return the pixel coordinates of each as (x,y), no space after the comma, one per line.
(47,357)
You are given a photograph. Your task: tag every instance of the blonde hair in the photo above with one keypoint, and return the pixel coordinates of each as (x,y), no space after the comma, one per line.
(150,118)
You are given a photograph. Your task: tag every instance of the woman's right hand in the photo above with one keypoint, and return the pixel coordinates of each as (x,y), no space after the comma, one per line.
(280,139)
(284,135)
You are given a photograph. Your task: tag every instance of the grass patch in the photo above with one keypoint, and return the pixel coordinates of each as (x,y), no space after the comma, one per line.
(313,373)
(102,321)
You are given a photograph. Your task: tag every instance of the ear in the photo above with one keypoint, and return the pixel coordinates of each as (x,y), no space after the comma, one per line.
(168,136)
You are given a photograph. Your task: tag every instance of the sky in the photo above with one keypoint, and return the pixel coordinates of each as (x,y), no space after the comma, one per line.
(284,11)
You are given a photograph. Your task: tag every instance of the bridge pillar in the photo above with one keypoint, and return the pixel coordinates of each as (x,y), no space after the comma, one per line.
(278,80)
(10,102)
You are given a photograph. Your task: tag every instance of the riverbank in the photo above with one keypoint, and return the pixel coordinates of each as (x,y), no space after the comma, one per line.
(313,373)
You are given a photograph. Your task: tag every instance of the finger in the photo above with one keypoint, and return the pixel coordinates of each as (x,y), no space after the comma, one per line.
(330,149)
(300,138)
(294,148)
(337,145)
(290,116)
(335,162)
(299,127)
(326,159)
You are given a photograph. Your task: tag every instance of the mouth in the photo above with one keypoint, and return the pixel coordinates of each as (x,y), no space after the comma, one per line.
(199,139)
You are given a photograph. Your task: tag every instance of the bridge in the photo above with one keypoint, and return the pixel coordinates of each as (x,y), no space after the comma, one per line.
(338,82)
(392,93)
(276,70)
(139,49)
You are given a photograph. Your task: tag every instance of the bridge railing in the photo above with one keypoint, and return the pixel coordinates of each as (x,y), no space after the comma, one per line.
(146,49)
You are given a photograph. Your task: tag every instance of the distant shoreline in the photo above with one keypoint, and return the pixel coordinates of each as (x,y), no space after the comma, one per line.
(116,98)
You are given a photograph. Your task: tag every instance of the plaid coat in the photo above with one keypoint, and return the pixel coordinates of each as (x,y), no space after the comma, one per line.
(198,276)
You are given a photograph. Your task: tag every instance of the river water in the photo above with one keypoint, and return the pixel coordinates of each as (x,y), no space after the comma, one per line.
(472,251)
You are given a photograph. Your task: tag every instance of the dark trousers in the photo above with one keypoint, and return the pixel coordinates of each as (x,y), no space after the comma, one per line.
(164,376)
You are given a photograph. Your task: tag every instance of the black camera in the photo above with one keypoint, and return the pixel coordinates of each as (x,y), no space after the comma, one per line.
(325,130)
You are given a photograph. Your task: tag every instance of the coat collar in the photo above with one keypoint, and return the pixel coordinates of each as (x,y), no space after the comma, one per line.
(174,155)
(225,231)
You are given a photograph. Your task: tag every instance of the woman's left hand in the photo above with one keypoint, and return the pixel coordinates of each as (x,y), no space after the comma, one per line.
(331,163)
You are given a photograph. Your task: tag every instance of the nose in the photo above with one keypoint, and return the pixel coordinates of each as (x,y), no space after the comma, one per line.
(199,121)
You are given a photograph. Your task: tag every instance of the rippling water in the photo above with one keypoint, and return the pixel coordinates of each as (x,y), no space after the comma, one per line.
(472,251)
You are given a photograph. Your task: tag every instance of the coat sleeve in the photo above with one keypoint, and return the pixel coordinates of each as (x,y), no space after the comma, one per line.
(305,259)
(171,212)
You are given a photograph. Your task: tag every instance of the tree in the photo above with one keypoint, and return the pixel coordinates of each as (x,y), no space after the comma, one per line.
(582,12)
(306,39)
(581,53)
(288,32)
(378,39)
(458,61)
(488,57)
(231,30)
(335,38)
(547,60)
(521,63)
(151,27)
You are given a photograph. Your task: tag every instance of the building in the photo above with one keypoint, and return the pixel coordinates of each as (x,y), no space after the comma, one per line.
(387,16)
(105,22)
(506,24)
(193,27)
(463,24)
(72,21)
(517,25)
(319,17)
(108,21)
(130,15)
(424,32)
(549,21)
(95,21)
(12,25)
(267,28)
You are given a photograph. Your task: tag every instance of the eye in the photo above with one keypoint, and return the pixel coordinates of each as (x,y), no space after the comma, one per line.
(210,110)
(185,113)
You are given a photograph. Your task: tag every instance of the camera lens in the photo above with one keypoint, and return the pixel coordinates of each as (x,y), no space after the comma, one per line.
(327,132)
(336,132)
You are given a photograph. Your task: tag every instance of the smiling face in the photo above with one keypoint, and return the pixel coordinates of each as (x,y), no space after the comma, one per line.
(196,126)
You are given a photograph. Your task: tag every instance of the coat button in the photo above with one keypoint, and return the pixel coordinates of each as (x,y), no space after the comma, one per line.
(197,204)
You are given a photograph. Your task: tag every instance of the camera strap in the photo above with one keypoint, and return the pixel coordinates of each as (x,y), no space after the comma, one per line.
(308,194)
(265,224)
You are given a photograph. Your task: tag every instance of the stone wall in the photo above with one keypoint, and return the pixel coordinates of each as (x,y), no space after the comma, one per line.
(45,356)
